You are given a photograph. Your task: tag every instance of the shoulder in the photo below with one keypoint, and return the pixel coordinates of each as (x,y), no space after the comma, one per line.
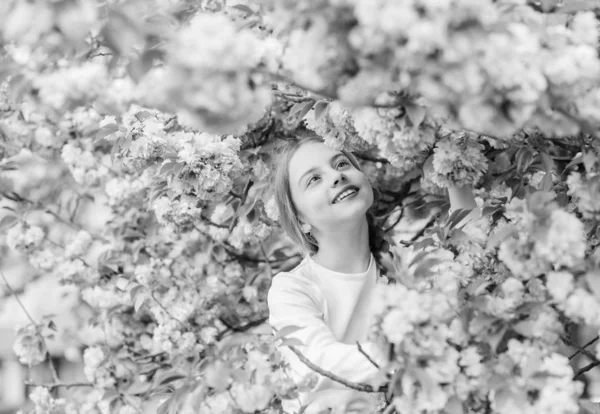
(298,281)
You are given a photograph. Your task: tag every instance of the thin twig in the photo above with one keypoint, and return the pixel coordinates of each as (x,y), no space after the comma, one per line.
(333,377)
(419,233)
(586,369)
(395,222)
(582,348)
(269,268)
(46,349)
(362,351)
(165,309)
(60,384)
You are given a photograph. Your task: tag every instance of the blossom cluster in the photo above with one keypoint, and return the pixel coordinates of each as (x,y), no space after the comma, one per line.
(421,324)
(456,163)
(586,194)
(83,165)
(335,125)
(403,144)
(220,94)
(554,391)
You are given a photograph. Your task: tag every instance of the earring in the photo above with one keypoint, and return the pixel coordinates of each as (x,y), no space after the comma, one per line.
(306,228)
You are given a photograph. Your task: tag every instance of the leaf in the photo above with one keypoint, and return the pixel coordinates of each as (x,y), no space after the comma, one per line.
(416,114)
(52,326)
(547,161)
(244,8)
(320,108)
(7,222)
(524,158)
(140,300)
(291,342)
(421,244)
(287,330)
(167,377)
(143,115)
(135,291)
(122,283)
(424,268)
(105,131)
(575,161)
(592,278)
(547,183)
(454,406)
(418,257)
(589,160)
(457,216)
(298,111)
(589,406)
(139,387)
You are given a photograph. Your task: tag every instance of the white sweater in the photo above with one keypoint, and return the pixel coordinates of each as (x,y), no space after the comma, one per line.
(334,310)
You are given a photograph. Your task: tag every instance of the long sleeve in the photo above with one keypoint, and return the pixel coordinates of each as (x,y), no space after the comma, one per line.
(295,300)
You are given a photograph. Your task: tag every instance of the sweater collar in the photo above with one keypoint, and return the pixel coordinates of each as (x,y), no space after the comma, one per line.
(340,274)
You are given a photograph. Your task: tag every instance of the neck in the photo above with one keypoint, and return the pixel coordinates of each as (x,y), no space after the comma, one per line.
(345,250)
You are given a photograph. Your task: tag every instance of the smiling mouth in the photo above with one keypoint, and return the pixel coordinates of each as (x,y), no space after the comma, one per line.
(346,194)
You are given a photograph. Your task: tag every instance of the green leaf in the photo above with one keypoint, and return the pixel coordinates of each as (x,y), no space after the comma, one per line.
(418,257)
(589,407)
(575,161)
(421,244)
(244,8)
(139,387)
(140,300)
(287,330)
(7,222)
(167,377)
(524,158)
(592,278)
(547,183)
(416,114)
(105,131)
(547,161)
(424,268)
(457,216)
(291,342)
(143,115)
(320,108)
(454,406)
(52,326)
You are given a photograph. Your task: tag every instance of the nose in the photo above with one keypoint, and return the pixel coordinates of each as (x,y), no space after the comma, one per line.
(339,178)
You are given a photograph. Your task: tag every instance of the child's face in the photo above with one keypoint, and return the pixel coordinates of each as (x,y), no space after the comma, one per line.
(318,174)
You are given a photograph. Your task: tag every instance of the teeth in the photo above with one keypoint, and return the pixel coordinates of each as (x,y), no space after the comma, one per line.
(344,195)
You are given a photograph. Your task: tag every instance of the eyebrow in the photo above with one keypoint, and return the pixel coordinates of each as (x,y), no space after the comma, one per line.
(336,156)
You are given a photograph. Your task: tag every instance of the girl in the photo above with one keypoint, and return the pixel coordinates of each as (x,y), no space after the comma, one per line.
(323,199)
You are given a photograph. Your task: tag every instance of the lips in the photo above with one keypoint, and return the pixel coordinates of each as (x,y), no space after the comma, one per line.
(348,187)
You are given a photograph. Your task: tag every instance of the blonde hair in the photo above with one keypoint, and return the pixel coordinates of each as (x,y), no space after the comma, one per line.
(288,214)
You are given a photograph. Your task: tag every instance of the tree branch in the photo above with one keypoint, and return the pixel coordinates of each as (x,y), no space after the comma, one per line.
(46,349)
(333,377)
(60,384)
(581,349)
(586,369)
(362,351)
